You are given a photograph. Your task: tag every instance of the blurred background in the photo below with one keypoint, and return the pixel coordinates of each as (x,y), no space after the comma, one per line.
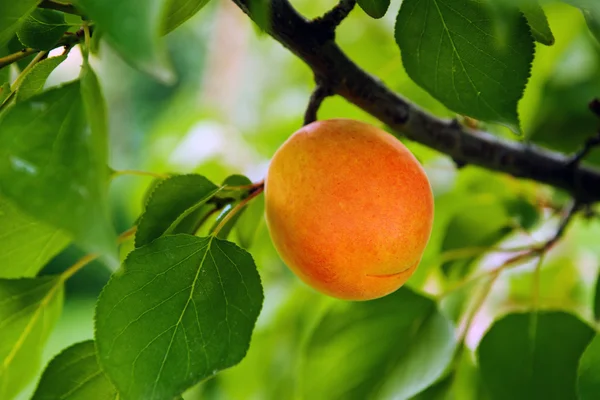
(240,94)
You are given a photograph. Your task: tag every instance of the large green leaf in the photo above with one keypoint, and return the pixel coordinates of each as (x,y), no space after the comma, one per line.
(12,15)
(53,166)
(393,347)
(181,309)
(588,379)
(26,245)
(522,359)
(591,12)
(133,28)
(42,29)
(179,11)
(34,81)
(75,374)
(597,300)
(538,22)
(29,308)
(455,52)
(375,8)
(171,201)
(249,221)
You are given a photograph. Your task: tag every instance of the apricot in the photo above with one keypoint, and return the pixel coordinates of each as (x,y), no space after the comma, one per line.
(349,208)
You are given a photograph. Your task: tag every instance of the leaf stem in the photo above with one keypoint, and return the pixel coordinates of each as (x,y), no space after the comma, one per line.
(39,56)
(254,193)
(88,258)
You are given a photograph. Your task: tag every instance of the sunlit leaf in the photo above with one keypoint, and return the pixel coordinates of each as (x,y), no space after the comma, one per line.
(538,22)
(74,374)
(42,29)
(520,358)
(171,201)
(375,8)
(4,92)
(133,28)
(181,309)
(34,81)
(26,245)
(455,52)
(53,167)
(588,380)
(249,221)
(393,347)
(29,309)
(12,15)
(179,11)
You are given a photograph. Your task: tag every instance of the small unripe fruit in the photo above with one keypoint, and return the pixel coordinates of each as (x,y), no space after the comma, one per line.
(349,208)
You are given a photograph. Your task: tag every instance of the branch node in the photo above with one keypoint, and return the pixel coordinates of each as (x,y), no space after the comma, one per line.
(590,143)
(459,163)
(332,18)
(322,91)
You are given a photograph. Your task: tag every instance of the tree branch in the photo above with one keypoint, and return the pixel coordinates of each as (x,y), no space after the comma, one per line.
(330,64)
(321,92)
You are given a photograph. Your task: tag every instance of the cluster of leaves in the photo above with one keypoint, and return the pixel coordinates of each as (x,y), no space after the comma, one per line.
(184,303)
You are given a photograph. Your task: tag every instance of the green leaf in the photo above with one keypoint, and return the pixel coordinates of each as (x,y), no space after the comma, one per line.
(133,28)
(4,92)
(14,46)
(171,201)
(455,52)
(538,22)
(588,375)
(26,244)
(42,29)
(520,359)
(592,18)
(398,345)
(74,374)
(249,221)
(179,11)
(12,15)
(181,309)
(34,81)
(597,300)
(53,168)
(29,309)
(375,8)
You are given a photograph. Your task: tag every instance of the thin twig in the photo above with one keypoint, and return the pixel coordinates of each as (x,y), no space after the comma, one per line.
(14,57)
(591,142)
(316,99)
(58,6)
(332,18)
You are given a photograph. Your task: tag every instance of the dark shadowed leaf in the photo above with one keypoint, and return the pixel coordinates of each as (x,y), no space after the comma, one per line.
(588,379)
(29,308)
(42,29)
(181,309)
(12,15)
(523,360)
(133,28)
(179,11)
(26,245)
(74,374)
(52,166)
(393,347)
(170,203)
(455,52)
(538,22)
(375,8)
(36,78)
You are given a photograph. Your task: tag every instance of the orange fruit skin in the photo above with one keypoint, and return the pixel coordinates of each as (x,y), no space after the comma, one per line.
(349,208)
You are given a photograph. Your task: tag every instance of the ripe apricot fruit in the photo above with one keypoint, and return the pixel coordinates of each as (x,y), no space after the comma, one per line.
(349,208)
